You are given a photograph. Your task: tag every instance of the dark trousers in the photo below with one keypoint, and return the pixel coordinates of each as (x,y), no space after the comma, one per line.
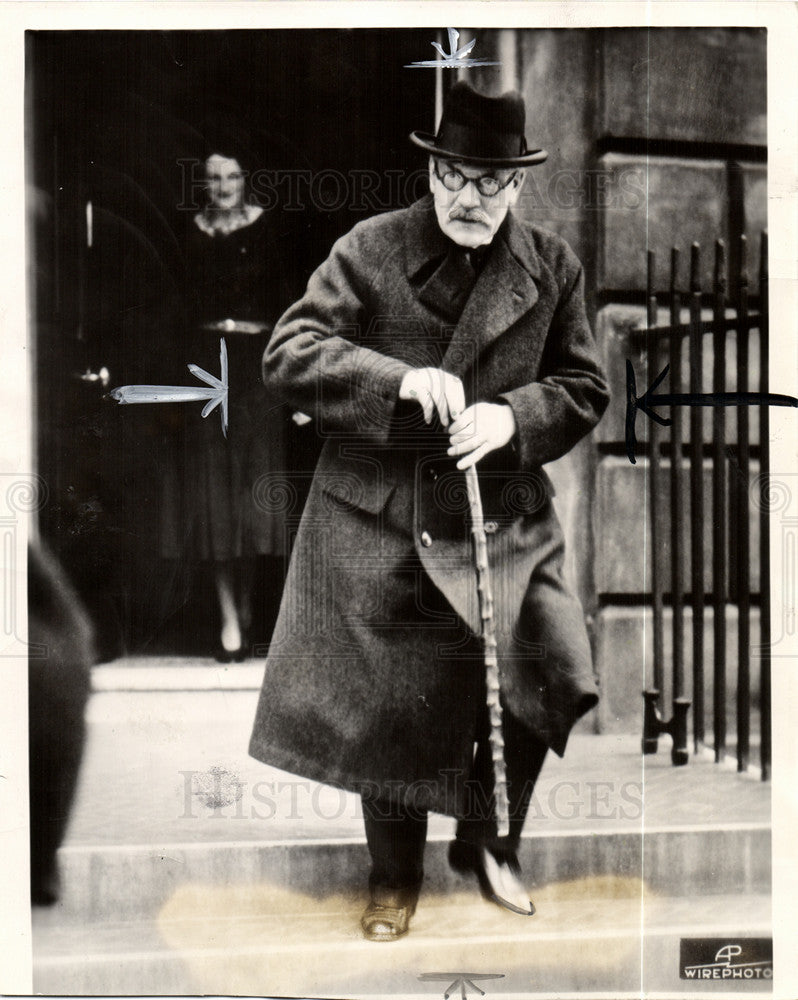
(396,836)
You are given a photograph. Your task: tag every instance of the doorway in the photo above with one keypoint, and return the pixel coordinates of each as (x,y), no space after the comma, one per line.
(115,121)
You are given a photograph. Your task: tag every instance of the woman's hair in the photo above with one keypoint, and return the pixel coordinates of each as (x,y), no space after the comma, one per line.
(229,152)
(231,142)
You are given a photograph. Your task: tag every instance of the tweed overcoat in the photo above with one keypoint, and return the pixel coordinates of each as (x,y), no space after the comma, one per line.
(374,679)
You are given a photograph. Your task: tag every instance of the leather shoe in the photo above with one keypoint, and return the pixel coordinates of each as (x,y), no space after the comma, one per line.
(387,917)
(499,878)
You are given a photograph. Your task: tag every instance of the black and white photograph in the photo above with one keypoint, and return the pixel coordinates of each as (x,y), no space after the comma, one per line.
(400,545)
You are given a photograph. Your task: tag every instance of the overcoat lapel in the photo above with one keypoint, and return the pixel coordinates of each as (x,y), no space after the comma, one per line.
(504,291)
(446,290)
(425,244)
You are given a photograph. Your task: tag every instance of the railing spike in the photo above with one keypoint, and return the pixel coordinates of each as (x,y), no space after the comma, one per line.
(695,266)
(743,275)
(720,267)
(651,260)
(674,269)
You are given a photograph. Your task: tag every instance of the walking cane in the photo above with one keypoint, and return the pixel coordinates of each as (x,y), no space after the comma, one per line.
(485,595)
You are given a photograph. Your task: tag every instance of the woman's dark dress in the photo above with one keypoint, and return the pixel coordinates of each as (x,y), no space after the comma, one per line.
(210,508)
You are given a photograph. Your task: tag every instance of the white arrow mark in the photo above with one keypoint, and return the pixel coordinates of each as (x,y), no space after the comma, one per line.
(216,395)
(454,58)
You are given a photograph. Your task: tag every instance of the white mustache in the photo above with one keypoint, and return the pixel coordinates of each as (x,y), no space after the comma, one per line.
(473,215)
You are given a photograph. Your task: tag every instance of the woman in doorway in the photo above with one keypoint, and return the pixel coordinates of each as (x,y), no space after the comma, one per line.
(235,289)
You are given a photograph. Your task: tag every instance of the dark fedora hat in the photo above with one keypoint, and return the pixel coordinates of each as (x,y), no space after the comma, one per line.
(486,131)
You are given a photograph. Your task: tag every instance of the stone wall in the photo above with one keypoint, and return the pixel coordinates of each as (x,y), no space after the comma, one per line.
(656,138)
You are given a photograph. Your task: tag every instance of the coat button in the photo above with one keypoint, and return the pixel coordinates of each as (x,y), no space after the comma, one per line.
(491,527)
(426,539)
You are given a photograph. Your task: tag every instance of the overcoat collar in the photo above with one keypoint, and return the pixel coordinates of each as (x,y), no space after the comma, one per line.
(505,289)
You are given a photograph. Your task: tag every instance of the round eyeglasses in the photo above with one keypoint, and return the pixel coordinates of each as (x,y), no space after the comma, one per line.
(487,184)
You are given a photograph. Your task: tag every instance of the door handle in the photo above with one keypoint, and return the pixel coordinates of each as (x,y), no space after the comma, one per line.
(103,376)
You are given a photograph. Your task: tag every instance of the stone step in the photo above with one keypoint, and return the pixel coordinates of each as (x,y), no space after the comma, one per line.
(171,766)
(190,868)
(606,934)
(112,883)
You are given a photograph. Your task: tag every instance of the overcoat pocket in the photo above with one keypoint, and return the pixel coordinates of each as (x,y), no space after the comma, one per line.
(348,490)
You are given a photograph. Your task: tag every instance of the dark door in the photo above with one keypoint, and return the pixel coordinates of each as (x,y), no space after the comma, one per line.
(114,120)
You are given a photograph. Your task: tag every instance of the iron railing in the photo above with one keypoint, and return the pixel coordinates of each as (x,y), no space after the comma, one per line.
(730,469)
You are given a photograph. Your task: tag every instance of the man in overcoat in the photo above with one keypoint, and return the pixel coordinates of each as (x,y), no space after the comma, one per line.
(433,338)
